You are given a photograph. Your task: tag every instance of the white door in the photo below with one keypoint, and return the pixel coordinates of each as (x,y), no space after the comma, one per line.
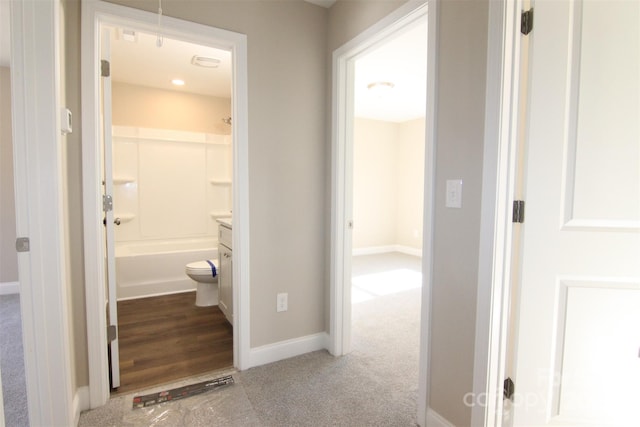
(110,222)
(578,339)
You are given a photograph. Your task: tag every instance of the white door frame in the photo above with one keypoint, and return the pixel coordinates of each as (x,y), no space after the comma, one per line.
(39,189)
(93,14)
(496,226)
(342,171)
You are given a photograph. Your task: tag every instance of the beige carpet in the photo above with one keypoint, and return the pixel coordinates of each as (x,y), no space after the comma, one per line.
(14,391)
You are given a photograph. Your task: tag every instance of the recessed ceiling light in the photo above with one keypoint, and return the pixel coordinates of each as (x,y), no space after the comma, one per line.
(178,82)
(205,61)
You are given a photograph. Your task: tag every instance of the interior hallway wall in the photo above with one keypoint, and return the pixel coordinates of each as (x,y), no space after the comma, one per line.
(8,256)
(460,107)
(72,191)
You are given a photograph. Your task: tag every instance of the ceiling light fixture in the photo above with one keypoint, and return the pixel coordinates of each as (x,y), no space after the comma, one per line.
(178,82)
(205,61)
(380,87)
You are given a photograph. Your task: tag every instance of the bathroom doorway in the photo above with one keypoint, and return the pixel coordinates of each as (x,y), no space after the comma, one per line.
(167,167)
(155,164)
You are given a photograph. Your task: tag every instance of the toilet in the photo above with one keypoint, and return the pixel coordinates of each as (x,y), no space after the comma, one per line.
(205,273)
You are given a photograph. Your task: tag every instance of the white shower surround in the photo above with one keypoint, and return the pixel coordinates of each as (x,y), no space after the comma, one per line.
(169,187)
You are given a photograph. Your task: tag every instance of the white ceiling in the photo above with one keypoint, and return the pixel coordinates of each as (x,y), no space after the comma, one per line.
(143,63)
(401,61)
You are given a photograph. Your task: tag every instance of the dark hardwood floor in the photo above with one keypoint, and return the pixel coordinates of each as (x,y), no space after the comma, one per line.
(166,338)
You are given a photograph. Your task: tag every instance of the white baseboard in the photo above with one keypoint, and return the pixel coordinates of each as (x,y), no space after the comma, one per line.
(155,288)
(8,288)
(285,349)
(80,403)
(372,250)
(436,420)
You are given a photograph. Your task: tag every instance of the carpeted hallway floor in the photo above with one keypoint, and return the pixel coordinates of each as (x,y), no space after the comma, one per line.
(12,363)
(374,385)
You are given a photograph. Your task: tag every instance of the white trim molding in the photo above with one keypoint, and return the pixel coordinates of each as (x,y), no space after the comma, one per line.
(80,403)
(434,419)
(94,13)
(496,228)
(9,288)
(373,250)
(289,348)
(38,172)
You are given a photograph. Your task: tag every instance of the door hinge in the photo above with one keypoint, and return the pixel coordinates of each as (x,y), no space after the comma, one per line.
(107,203)
(509,389)
(105,68)
(526,22)
(112,333)
(22,244)
(518,211)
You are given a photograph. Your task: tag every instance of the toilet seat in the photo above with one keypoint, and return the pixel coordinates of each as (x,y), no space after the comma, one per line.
(201,267)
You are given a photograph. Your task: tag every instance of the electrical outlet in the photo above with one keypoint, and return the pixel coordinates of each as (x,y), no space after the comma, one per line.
(282,302)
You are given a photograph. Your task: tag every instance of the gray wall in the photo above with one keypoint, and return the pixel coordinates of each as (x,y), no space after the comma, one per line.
(8,257)
(72,197)
(460,129)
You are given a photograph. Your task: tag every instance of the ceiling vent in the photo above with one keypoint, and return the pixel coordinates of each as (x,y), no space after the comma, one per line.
(204,61)
(127,35)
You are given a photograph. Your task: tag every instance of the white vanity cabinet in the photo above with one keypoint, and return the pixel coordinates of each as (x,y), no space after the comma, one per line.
(225,275)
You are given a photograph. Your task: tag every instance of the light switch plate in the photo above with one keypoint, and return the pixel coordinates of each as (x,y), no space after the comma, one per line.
(65,121)
(454,193)
(282,303)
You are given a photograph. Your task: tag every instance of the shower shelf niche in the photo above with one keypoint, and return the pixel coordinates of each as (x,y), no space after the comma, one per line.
(220,214)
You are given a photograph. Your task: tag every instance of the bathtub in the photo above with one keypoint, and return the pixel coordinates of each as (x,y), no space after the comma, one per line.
(148,269)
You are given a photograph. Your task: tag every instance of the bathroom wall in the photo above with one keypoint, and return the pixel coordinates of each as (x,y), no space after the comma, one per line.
(388,174)
(8,257)
(146,107)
